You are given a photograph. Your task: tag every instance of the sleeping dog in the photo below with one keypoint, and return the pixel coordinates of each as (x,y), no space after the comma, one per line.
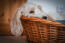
(29,10)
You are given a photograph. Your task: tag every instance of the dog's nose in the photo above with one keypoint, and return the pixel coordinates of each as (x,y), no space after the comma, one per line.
(44,17)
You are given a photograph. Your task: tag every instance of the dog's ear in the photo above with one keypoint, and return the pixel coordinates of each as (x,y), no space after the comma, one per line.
(40,8)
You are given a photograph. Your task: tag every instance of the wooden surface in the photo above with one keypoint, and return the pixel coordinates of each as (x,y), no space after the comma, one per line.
(7,10)
(12,39)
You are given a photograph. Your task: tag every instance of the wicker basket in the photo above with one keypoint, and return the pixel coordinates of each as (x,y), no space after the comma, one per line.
(41,30)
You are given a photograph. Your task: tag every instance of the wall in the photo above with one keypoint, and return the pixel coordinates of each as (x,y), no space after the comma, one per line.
(50,7)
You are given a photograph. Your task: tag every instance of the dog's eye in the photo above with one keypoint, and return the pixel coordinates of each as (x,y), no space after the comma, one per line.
(31,11)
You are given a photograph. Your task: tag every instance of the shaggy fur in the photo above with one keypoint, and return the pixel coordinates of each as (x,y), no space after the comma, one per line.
(29,10)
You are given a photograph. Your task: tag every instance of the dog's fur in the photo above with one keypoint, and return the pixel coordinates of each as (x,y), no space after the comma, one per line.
(29,10)
(26,9)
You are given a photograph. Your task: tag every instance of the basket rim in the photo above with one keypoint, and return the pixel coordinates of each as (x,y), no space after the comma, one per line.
(55,23)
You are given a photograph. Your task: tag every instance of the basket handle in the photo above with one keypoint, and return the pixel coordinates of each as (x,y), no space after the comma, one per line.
(43,21)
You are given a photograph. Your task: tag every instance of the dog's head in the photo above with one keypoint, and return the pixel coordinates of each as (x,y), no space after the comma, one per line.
(32,10)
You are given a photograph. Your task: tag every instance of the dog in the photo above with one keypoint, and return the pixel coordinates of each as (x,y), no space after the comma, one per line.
(29,10)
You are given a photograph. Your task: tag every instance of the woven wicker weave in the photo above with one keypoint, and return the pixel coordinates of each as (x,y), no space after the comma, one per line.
(41,30)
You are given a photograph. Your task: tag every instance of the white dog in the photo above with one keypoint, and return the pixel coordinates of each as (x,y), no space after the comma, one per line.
(29,10)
